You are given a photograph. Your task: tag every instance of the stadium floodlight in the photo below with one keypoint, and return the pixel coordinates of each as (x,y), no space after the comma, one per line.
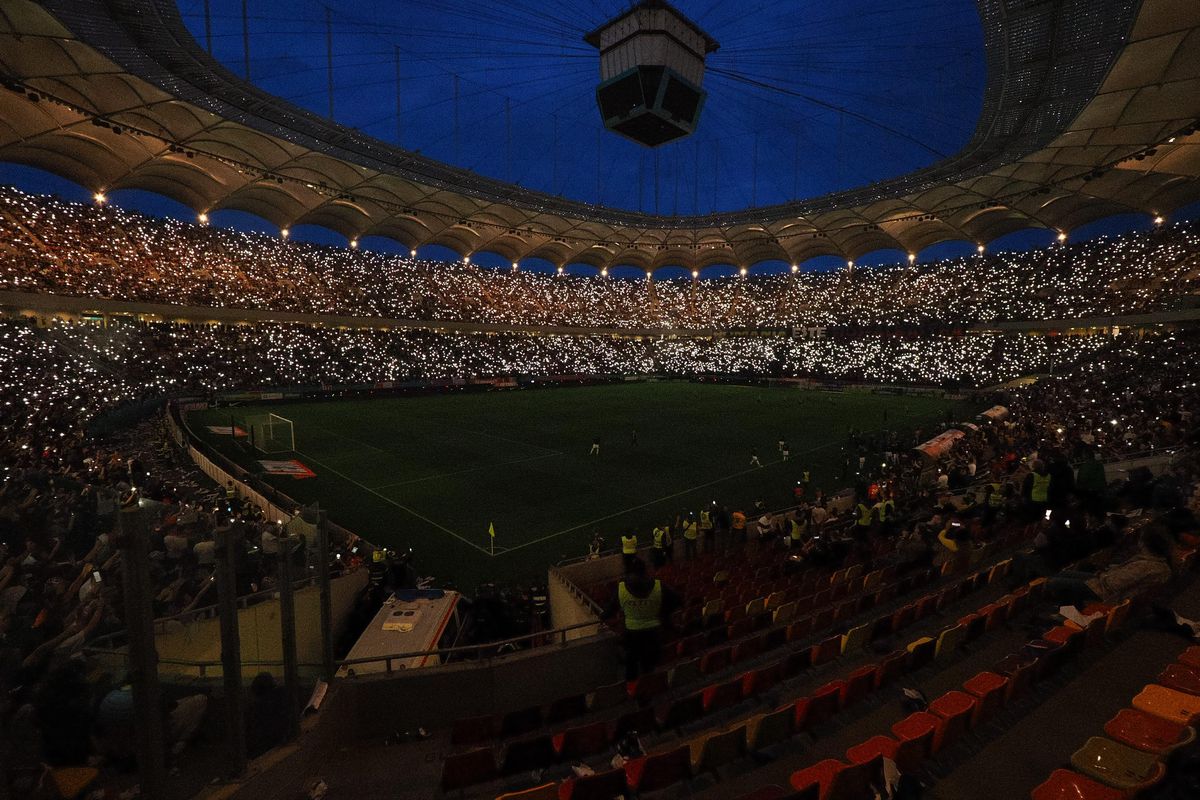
(413,252)
(604,272)
(100,197)
(695,273)
(202,218)
(1158,220)
(467,259)
(1062,236)
(651,72)
(559,270)
(980,249)
(850,264)
(742,272)
(795,268)
(912,257)
(271,433)
(354,244)
(285,233)
(515,266)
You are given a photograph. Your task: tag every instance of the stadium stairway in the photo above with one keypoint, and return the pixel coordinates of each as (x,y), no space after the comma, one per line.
(1024,755)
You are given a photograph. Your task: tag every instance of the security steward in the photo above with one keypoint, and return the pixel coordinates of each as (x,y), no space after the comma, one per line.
(629,548)
(645,604)
(691,534)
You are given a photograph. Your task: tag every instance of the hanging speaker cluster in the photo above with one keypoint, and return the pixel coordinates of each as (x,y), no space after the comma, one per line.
(651,71)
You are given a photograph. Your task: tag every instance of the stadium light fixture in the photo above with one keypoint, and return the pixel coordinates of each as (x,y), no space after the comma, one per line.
(515,266)
(1158,220)
(284,232)
(1062,236)
(413,252)
(912,257)
(649,274)
(695,274)
(850,264)
(559,270)
(354,244)
(100,197)
(742,272)
(604,272)
(980,249)
(202,218)
(795,268)
(467,259)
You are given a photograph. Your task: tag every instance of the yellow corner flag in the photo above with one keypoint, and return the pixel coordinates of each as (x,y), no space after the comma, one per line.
(492,530)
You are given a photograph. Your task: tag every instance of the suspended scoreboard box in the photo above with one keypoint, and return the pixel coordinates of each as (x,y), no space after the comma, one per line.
(652,71)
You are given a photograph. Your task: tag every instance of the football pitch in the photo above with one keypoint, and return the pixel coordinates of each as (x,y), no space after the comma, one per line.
(433,472)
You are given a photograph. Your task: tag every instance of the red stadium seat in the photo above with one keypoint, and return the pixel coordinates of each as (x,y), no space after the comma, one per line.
(1065,784)
(827,650)
(955,708)
(892,667)
(859,683)
(723,695)
(824,702)
(988,689)
(660,770)
(601,786)
(1147,732)
(1180,678)
(577,743)
(838,781)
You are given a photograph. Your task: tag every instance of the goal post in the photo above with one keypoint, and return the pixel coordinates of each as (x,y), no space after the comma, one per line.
(272,434)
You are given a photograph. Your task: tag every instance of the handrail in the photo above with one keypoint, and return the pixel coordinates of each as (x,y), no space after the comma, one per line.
(206,612)
(388,658)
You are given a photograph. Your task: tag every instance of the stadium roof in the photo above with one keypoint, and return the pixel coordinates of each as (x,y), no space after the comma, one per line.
(1090,109)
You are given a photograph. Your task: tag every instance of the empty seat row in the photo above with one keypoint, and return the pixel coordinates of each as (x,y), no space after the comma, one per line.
(1131,755)
(709,751)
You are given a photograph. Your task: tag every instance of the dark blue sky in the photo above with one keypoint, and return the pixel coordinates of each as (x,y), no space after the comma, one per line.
(804,98)
(908,75)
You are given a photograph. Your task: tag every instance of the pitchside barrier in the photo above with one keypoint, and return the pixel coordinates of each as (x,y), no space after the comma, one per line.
(269,508)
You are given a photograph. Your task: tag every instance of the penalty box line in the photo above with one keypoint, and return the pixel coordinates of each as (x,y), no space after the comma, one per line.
(468,469)
(390,501)
(689,490)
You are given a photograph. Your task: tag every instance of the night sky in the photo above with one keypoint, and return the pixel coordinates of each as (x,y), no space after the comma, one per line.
(804,98)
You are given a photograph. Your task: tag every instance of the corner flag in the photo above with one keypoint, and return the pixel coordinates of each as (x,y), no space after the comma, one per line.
(492,538)
(492,530)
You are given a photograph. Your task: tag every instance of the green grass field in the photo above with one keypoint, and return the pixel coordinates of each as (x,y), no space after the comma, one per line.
(432,472)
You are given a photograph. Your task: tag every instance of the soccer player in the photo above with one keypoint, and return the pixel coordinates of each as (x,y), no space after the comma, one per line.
(754,462)
(595,451)
(786,449)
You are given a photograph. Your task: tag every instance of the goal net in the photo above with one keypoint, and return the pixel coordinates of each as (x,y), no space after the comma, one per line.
(272,434)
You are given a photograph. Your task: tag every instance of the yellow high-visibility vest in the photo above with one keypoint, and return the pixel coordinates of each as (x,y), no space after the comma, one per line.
(996,498)
(864,515)
(705,520)
(689,530)
(1040,491)
(641,613)
(629,545)
(886,509)
(659,536)
(797,530)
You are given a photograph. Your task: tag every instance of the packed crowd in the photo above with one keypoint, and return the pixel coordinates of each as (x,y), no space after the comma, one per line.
(55,375)
(1042,463)
(51,246)
(63,485)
